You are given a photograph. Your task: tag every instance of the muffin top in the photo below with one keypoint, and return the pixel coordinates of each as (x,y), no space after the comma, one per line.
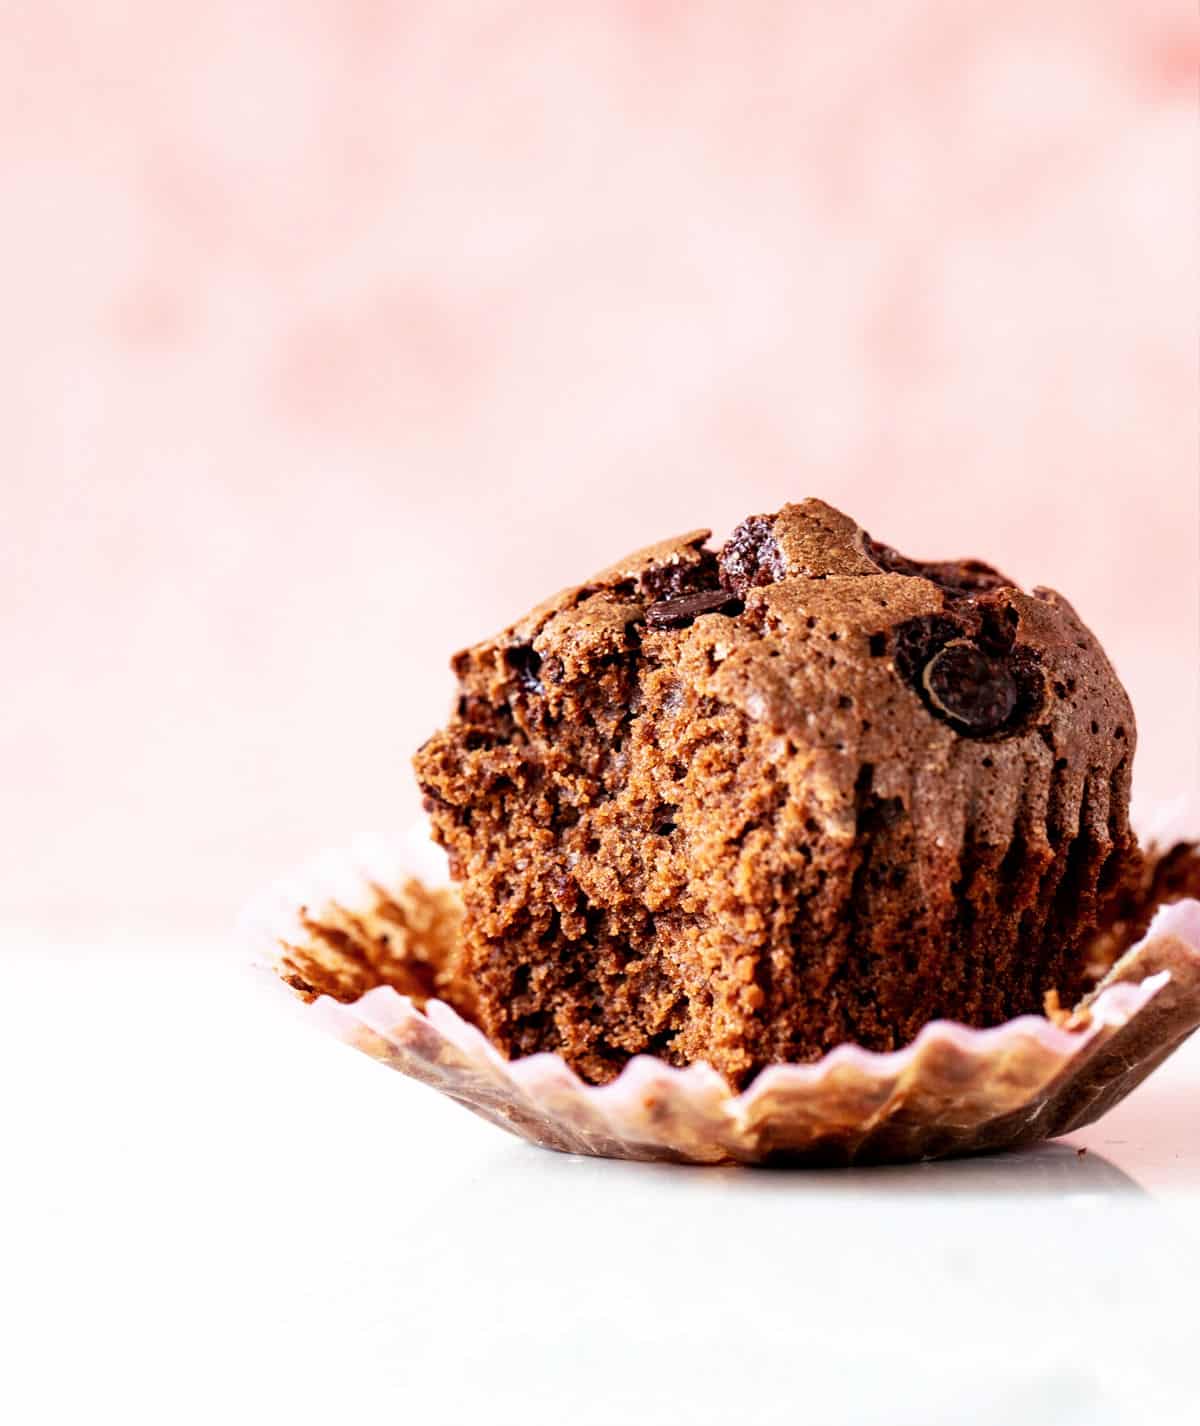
(857,654)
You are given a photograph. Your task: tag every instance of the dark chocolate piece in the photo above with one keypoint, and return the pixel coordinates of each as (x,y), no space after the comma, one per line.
(956,577)
(526,663)
(669,581)
(971,689)
(751,556)
(679,613)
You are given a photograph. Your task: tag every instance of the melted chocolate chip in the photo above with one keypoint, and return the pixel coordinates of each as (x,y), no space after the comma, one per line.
(669,581)
(962,578)
(680,612)
(526,663)
(970,671)
(917,640)
(971,688)
(751,556)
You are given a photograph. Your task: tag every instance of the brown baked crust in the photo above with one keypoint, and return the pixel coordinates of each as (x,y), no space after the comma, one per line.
(748,806)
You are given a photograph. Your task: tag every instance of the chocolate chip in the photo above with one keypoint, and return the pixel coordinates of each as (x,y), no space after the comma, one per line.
(970,688)
(917,640)
(751,556)
(970,671)
(679,613)
(669,581)
(963,578)
(526,663)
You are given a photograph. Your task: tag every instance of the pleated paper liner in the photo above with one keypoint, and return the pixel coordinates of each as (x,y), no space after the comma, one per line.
(364,946)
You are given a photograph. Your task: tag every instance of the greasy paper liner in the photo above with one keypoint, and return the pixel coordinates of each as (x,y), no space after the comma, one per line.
(953,1091)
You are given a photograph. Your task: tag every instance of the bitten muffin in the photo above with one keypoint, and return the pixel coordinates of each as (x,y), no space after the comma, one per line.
(744,806)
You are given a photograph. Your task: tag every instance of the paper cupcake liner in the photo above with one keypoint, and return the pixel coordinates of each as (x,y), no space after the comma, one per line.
(347,920)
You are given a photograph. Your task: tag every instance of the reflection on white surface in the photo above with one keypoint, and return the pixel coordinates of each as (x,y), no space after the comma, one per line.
(1049,1170)
(1158,1132)
(217,1210)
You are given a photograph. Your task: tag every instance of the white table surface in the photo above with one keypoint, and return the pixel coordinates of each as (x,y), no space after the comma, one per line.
(214,1214)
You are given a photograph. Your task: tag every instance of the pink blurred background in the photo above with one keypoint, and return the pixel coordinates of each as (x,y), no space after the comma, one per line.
(336,333)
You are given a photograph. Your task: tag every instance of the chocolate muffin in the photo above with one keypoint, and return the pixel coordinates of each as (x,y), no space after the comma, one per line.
(744,806)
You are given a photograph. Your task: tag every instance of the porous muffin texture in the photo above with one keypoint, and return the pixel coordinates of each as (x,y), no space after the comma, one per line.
(745,805)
